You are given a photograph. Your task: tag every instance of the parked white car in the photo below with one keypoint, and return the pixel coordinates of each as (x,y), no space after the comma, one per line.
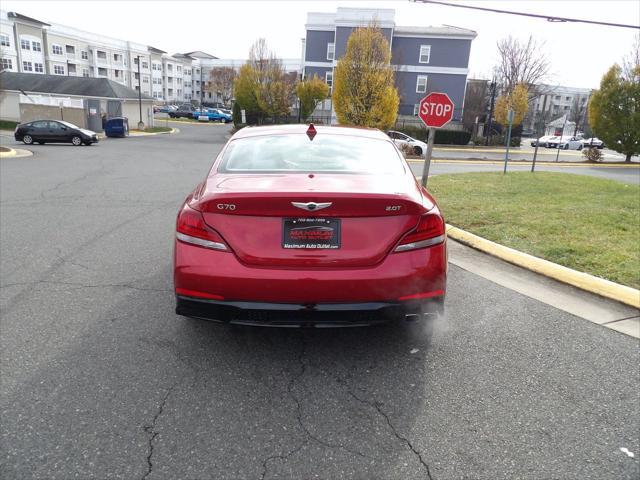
(566,143)
(401,139)
(592,143)
(542,141)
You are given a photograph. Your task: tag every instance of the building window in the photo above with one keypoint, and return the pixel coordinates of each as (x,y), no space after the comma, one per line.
(38,67)
(328,78)
(6,64)
(25,44)
(331,51)
(416,108)
(568,99)
(58,70)
(145,65)
(425,54)
(145,79)
(101,55)
(84,55)
(56,49)
(27,67)
(36,46)
(85,72)
(4,40)
(421,84)
(102,72)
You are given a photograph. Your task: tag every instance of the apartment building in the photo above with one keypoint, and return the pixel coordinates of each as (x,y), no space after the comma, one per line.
(557,101)
(28,45)
(425,58)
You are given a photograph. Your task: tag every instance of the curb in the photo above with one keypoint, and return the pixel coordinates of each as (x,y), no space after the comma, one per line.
(584,281)
(16,153)
(150,134)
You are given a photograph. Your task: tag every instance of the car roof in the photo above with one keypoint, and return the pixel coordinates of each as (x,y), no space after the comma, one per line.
(302,128)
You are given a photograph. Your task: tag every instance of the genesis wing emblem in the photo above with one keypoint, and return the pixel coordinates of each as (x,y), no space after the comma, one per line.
(311,206)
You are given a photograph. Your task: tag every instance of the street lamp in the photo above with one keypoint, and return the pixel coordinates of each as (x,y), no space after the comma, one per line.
(140,123)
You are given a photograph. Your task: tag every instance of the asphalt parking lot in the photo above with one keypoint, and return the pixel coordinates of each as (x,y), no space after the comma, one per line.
(100,379)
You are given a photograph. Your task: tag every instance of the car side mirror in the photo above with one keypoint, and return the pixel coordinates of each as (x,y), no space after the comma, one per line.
(64,128)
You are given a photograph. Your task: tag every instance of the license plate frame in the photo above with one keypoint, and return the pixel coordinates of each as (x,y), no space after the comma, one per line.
(311,233)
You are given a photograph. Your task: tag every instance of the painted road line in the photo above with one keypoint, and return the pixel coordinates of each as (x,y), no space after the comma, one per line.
(545,151)
(515,163)
(599,286)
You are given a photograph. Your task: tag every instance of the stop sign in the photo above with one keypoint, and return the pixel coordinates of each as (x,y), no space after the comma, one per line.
(436,109)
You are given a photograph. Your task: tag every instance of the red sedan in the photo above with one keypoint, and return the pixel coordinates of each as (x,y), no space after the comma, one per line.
(304,226)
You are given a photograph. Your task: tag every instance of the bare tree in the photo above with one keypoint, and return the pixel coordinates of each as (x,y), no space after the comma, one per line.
(274,89)
(221,80)
(578,112)
(521,62)
(475,102)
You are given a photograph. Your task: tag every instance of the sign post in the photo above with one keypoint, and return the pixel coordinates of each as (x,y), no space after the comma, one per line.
(436,110)
(506,154)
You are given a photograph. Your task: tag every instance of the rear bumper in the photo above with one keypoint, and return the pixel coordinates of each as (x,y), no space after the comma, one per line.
(308,315)
(209,274)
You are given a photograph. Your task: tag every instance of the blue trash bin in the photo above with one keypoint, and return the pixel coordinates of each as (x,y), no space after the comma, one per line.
(117,127)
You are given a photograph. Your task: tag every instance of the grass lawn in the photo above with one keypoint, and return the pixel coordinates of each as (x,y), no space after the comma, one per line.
(152,129)
(585,223)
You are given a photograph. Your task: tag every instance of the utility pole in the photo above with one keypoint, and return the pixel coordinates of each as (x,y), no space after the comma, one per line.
(493,98)
(140,123)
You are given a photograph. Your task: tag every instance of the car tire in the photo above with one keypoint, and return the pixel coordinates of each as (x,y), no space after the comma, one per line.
(76,140)
(566,147)
(417,150)
(579,147)
(27,139)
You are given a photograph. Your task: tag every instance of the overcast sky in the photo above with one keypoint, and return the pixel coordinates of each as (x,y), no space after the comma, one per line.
(579,54)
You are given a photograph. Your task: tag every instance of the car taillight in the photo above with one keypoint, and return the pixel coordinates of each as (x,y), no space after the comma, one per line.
(430,231)
(191,228)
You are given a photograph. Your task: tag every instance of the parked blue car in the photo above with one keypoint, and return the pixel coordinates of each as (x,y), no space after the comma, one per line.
(213,114)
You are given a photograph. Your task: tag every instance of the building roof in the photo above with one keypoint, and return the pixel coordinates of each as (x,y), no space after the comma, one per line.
(61,85)
(19,16)
(199,54)
(444,30)
(155,50)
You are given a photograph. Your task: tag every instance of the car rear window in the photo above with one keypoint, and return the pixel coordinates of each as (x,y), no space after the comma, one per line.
(326,153)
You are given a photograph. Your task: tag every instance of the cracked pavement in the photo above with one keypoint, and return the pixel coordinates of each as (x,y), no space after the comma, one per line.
(100,379)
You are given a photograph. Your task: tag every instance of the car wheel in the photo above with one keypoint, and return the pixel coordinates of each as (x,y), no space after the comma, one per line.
(579,147)
(76,140)
(417,150)
(27,139)
(566,147)
(222,120)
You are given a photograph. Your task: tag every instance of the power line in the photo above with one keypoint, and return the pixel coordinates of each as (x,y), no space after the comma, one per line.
(549,18)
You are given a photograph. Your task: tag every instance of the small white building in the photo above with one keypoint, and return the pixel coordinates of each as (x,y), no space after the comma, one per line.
(99,97)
